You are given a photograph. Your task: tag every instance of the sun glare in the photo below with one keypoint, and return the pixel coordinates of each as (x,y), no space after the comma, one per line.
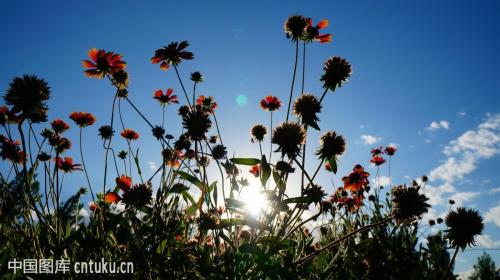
(255,201)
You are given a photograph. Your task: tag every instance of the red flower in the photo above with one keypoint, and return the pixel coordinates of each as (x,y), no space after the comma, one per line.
(167,98)
(112,197)
(327,166)
(59,125)
(172,54)
(129,134)
(124,182)
(270,103)
(178,237)
(356,180)
(103,63)
(377,160)
(8,116)
(390,150)
(207,104)
(67,165)
(312,32)
(93,206)
(10,150)
(255,170)
(377,151)
(82,119)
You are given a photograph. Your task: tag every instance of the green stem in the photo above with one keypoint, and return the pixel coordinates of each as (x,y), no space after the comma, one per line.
(293,79)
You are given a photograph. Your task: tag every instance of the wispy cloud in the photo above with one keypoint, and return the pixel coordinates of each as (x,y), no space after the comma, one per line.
(495,190)
(461,197)
(152,165)
(369,139)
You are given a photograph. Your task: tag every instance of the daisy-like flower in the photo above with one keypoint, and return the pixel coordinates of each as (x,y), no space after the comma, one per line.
(289,137)
(408,204)
(43,156)
(390,150)
(258,132)
(197,124)
(106,132)
(10,150)
(124,182)
(357,180)
(120,79)
(167,98)
(59,126)
(255,170)
(8,116)
(102,63)
(315,193)
(28,96)
(173,54)
(61,144)
(284,166)
(138,196)
(306,107)
(336,71)
(377,160)
(377,151)
(158,132)
(184,110)
(67,165)
(171,158)
(207,104)
(183,143)
(129,134)
(270,103)
(122,154)
(463,226)
(196,77)
(311,32)
(82,119)
(112,197)
(219,152)
(332,145)
(295,26)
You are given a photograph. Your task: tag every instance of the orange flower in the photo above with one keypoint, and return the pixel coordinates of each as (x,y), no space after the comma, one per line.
(93,206)
(168,98)
(82,119)
(255,170)
(10,150)
(67,165)
(112,197)
(207,103)
(129,134)
(59,125)
(312,32)
(356,180)
(8,116)
(172,54)
(377,160)
(103,63)
(270,103)
(124,182)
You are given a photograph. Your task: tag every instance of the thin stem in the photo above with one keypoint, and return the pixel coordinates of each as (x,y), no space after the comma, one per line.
(293,79)
(271,138)
(448,269)
(84,167)
(182,85)
(323,96)
(303,66)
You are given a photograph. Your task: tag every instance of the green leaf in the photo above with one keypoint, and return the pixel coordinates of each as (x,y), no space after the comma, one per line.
(245,161)
(298,199)
(187,197)
(212,187)
(233,222)
(333,164)
(191,209)
(190,178)
(178,188)
(265,171)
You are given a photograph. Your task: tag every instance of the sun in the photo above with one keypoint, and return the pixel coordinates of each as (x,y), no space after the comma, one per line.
(255,201)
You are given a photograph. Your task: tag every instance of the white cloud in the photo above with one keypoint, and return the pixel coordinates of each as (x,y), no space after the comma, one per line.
(382,181)
(485,241)
(461,114)
(152,166)
(464,275)
(435,194)
(461,197)
(436,125)
(369,139)
(465,151)
(493,216)
(495,190)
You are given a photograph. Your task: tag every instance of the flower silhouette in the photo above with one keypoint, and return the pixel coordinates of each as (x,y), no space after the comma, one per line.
(82,119)
(167,98)
(129,134)
(67,165)
(173,54)
(270,103)
(28,96)
(311,32)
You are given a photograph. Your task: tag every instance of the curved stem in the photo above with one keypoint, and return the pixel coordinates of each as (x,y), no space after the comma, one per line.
(84,167)
(293,79)
(303,67)
(448,269)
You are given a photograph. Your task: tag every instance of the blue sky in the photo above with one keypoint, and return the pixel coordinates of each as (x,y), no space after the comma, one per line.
(425,77)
